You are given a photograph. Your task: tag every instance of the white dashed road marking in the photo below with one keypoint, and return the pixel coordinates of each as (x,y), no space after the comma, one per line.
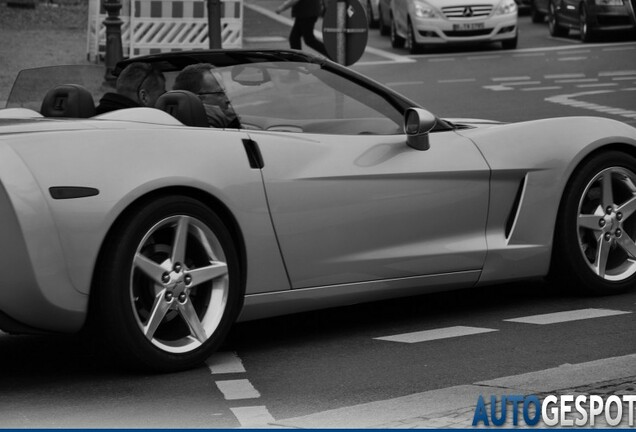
(435,334)
(574,315)
(251,416)
(237,389)
(542,88)
(225,362)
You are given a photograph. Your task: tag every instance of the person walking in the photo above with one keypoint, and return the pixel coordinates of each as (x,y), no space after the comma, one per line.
(305,14)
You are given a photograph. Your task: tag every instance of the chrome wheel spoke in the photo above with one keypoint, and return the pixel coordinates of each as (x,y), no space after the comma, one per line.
(627,244)
(159,310)
(628,208)
(194,323)
(208,273)
(180,238)
(589,222)
(602,253)
(607,193)
(150,268)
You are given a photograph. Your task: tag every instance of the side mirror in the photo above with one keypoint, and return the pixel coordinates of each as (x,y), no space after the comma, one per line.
(417,124)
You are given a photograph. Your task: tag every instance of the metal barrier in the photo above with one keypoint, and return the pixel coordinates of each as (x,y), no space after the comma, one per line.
(153,26)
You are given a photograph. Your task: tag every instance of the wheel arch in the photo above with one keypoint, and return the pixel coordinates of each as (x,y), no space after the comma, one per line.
(205,198)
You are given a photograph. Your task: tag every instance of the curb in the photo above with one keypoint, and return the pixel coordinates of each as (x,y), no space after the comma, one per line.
(454,406)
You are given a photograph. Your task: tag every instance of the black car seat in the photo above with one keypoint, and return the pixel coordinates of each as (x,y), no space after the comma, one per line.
(68,100)
(185,106)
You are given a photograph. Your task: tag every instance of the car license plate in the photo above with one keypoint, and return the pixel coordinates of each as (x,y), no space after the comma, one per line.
(468,26)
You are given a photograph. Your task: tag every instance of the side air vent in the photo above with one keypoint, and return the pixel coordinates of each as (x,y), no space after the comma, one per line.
(514,211)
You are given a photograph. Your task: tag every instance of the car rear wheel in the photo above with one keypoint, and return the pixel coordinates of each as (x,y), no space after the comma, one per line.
(397,41)
(584,27)
(168,286)
(594,242)
(554,26)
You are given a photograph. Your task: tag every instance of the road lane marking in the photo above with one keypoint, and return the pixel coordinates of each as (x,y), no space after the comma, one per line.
(252,416)
(462,80)
(403,83)
(497,87)
(597,85)
(564,76)
(517,78)
(542,88)
(529,55)
(572,58)
(225,363)
(484,57)
(617,73)
(521,83)
(566,316)
(576,80)
(237,389)
(435,334)
(625,78)
(442,59)
(620,48)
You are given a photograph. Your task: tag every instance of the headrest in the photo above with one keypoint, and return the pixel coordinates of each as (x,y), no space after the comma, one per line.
(185,106)
(68,100)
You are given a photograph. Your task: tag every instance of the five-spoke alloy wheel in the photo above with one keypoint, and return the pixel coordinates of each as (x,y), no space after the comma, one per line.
(596,232)
(169,288)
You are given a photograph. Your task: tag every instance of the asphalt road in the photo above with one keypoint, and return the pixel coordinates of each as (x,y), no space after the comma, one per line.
(311,362)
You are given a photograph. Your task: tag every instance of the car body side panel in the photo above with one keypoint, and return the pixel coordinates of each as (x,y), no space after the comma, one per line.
(360,208)
(125,165)
(35,289)
(544,154)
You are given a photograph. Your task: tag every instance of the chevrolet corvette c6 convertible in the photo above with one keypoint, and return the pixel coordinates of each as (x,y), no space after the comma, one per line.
(334,190)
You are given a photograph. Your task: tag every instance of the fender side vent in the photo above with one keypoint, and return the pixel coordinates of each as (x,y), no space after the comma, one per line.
(514,211)
(70,192)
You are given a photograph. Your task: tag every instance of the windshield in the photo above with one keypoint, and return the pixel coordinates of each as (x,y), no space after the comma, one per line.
(279,96)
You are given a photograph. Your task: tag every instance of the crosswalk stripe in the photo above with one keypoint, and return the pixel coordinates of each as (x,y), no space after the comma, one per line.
(565,316)
(225,363)
(237,389)
(251,416)
(435,334)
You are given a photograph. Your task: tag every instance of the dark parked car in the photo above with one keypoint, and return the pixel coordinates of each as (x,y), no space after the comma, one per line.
(589,17)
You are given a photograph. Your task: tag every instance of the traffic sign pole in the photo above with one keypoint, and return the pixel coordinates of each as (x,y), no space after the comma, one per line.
(345,31)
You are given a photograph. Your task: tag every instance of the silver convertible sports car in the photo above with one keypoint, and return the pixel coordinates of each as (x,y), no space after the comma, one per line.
(333,190)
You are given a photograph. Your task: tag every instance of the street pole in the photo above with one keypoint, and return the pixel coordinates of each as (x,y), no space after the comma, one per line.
(114,50)
(214,23)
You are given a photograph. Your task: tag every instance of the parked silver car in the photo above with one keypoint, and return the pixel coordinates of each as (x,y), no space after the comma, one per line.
(416,23)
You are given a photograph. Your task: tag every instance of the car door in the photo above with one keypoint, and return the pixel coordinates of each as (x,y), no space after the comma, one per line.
(350,201)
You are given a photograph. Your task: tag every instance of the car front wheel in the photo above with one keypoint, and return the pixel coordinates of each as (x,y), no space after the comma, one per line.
(168,286)
(584,27)
(595,250)
(554,26)
(397,41)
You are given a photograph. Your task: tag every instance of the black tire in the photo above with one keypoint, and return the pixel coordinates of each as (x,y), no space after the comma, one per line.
(373,22)
(554,25)
(594,250)
(172,259)
(586,33)
(411,44)
(536,16)
(385,30)
(510,44)
(396,40)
